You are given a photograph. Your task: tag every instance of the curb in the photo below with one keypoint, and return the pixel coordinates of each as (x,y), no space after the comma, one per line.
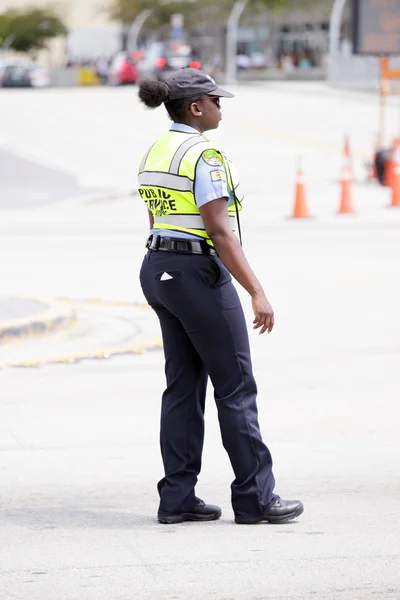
(104,302)
(148,346)
(13,328)
(56,316)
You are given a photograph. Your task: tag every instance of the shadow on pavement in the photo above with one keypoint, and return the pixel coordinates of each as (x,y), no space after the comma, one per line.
(69,518)
(27,184)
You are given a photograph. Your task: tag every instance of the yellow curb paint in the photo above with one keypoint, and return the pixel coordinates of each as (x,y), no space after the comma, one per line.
(48,327)
(50,320)
(154,344)
(103,354)
(100,302)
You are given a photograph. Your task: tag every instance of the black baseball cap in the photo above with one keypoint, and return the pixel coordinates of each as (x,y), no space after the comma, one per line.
(189,83)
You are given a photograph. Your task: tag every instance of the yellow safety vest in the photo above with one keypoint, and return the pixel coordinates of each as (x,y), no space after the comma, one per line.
(166,182)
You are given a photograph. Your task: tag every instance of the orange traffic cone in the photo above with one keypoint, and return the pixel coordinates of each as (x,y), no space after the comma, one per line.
(300,210)
(347,159)
(396,179)
(347,154)
(346,204)
(390,164)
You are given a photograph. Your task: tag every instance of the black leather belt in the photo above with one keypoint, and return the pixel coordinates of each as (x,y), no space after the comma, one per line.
(157,242)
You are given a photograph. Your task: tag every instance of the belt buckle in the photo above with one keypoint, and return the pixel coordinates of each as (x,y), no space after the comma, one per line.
(153,242)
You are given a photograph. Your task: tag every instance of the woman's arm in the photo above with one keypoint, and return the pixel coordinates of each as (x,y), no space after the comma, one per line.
(216,221)
(151,218)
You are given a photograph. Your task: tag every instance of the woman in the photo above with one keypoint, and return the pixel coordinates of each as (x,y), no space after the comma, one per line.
(192,194)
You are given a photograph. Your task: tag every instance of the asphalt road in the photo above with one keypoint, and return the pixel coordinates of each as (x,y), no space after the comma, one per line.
(25,183)
(79,443)
(16,308)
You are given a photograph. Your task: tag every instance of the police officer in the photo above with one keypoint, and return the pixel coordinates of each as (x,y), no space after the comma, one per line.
(193,198)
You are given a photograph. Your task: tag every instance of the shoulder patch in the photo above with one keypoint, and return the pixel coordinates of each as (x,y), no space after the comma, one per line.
(217,175)
(213,158)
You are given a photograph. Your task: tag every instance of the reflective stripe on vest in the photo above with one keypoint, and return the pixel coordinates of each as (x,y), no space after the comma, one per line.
(191,221)
(143,163)
(180,153)
(166,180)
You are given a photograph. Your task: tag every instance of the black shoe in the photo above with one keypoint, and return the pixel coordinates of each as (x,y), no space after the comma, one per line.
(200,512)
(281,511)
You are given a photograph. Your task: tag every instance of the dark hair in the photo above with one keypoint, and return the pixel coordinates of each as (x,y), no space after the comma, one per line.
(155,93)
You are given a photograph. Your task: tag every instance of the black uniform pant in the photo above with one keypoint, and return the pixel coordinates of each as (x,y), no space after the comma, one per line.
(204,334)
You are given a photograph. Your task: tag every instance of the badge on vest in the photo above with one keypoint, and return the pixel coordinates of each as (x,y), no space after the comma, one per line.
(212,157)
(217,175)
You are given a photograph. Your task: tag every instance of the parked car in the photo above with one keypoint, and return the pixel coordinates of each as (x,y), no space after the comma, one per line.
(15,75)
(23,75)
(161,59)
(123,69)
(39,77)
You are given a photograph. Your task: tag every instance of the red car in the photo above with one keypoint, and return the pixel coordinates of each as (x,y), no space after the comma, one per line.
(123,69)
(161,59)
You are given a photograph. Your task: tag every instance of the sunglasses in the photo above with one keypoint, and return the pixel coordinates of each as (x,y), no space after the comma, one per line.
(216,100)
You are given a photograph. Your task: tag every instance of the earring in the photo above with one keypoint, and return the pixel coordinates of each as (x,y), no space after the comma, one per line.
(200,114)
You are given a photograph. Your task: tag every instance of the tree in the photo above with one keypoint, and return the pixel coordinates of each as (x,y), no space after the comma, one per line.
(30,29)
(125,11)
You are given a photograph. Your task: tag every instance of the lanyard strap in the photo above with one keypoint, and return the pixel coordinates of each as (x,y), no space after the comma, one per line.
(235,199)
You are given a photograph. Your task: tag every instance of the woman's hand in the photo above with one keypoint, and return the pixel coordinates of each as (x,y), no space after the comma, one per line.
(263,313)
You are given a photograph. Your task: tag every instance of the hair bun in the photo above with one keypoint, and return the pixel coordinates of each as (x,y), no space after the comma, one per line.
(153,93)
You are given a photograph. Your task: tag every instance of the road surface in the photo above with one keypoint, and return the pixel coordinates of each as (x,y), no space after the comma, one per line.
(79,442)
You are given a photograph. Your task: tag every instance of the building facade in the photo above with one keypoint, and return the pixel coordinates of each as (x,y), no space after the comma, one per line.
(91,34)
(299,35)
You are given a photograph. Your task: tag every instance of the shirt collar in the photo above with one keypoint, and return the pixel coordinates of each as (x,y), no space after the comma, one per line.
(183,128)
